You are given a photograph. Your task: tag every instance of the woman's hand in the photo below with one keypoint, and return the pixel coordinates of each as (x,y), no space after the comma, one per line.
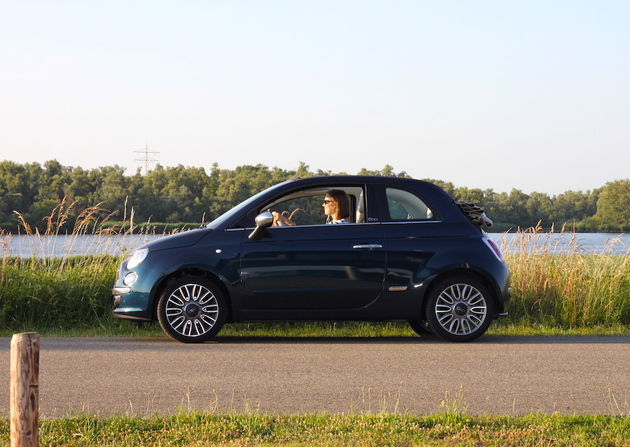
(281,219)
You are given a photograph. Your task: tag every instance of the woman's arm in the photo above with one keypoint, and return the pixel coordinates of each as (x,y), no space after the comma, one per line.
(280,219)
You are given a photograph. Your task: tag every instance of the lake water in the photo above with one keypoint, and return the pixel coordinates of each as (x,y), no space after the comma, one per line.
(60,246)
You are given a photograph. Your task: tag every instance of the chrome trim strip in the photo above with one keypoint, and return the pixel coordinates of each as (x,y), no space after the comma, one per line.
(121,290)
(412,222)
(368,246)
(349,224)
(345,225)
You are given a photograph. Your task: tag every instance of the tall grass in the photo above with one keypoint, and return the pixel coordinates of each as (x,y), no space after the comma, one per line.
(560,289)
(62,292)
(566,288)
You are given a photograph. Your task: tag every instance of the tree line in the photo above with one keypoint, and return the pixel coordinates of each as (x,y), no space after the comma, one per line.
(194,195)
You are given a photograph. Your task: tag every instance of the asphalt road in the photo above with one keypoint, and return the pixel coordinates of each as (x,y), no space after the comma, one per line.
(507,375)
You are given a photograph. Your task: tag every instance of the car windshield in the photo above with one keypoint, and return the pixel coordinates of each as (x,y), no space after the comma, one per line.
(220,221)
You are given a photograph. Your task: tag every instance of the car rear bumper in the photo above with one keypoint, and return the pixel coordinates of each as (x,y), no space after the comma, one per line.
(503,290)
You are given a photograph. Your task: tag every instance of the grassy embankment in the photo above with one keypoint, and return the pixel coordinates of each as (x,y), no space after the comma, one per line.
(568,293)
(452,428)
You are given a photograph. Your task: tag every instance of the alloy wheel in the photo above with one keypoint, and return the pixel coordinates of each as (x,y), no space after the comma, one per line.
(192,310)
(461,309)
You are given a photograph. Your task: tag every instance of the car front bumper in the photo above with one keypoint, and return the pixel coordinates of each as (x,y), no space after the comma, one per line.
(131,305)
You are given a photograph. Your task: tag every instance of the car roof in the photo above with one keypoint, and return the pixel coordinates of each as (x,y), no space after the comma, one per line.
(421,185)
(439,199)
(361,179)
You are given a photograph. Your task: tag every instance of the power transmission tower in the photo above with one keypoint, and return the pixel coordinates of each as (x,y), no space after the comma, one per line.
(146,158)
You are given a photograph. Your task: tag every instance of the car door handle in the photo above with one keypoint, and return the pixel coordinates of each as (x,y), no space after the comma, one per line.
(368,246)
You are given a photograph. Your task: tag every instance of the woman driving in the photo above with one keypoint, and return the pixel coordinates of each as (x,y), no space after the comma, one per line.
(336,206)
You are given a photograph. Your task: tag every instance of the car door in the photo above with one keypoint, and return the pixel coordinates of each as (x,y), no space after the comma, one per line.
(412,235)
(313,267)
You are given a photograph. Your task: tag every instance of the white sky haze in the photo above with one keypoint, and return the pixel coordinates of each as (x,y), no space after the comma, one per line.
(532,95)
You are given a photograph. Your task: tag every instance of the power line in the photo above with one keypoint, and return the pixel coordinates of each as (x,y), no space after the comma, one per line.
(146,158)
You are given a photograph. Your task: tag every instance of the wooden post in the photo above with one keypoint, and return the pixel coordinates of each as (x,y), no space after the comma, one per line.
(25,390)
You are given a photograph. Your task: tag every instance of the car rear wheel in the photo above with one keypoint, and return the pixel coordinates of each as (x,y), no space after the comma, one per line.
(191,309)
(460,308)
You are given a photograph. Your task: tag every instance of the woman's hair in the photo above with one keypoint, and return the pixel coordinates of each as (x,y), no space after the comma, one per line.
(343,202)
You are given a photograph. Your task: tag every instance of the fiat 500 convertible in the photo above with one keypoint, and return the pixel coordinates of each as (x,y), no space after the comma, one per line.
(402,250)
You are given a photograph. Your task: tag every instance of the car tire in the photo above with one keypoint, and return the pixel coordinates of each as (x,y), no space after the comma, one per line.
(421,327)
(460,308)
(191,309)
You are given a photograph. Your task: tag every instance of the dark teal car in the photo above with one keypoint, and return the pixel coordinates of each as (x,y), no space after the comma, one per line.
(402,250)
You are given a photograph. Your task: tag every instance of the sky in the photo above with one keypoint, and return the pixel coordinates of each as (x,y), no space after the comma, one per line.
(533,95)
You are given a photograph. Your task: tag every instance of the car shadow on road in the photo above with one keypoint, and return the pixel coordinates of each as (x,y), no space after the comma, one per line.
(163,342)
(486,339)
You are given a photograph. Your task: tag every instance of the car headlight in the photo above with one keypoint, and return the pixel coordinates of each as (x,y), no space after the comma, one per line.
(137,257)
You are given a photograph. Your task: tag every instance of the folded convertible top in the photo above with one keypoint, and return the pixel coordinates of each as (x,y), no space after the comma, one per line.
(475,213)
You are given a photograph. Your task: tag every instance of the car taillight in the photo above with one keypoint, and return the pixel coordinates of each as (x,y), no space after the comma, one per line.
(490,243)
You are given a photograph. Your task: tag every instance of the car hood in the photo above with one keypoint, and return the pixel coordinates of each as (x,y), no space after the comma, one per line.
(178,240)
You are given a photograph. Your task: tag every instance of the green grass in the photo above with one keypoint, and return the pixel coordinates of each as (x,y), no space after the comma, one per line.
(315,330)
(451,428)
(61,292)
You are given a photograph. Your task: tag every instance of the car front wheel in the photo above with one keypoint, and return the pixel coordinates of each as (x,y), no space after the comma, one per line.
(460,308)
(191,309)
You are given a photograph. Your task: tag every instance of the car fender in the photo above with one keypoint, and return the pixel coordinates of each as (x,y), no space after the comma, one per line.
(219,264)
(487,268)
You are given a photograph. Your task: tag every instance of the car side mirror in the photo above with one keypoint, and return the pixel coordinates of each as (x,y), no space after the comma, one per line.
(263,220)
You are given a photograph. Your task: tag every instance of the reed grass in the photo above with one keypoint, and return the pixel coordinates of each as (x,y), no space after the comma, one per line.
(566,288)
(552,289)
(57,292)
(63,292)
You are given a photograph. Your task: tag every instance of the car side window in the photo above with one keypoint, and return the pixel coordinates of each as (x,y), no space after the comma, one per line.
(305,207)
(403,205)
(301,210)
